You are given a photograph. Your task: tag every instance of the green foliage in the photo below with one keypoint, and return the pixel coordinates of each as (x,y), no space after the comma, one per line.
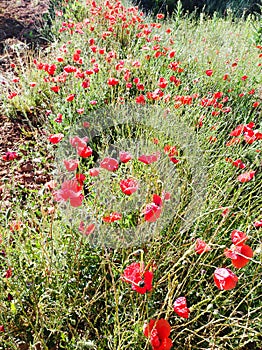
(238,8)
(257,29)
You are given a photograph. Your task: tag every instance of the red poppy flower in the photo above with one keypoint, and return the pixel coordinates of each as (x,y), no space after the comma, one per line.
(110,164)
(78,142)
(55,88)
(174,160)
(148,159)
(94,172)
(246,177)
(112,81)
(80,178)
(124,156)
(209,72)
(175,80)
(237,131)
(225,279)
(70,97)
(258,223)
(86,230)
(15,225)
(128,186)
(71,164)
(162,83)
(201,246)
(140,99)
(85,84)
(225,212)
(140,87)
(2,328)
(70,190)
(251,136)
(8,273)
(153,210)
(59,118)
(218,94)
(55,138)
(112,217)
(9,156)
(242,128)
(167,196)
(70,69)
(171,150)
(86,124)
(12,95)
(84,152)
(239,164)
(258,135)
(180,307)
(140,279)
(158,332)
(238,237)
(239,255)
(81,111)
(160,16)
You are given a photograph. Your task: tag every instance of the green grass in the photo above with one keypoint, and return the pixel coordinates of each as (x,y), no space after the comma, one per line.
(65,292)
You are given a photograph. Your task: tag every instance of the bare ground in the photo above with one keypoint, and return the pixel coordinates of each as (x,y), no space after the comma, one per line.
(20,21)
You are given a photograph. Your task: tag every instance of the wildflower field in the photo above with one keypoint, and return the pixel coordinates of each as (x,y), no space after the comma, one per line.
(141,226)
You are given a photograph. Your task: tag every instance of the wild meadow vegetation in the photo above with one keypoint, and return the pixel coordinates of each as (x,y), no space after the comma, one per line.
(149,234)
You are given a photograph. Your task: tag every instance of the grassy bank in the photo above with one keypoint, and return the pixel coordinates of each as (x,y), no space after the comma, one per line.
(142,85)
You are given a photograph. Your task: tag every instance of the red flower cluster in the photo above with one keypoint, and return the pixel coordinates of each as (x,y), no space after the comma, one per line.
(250,135)
(9,156)
(81,147)
(237,163)
(171,151)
